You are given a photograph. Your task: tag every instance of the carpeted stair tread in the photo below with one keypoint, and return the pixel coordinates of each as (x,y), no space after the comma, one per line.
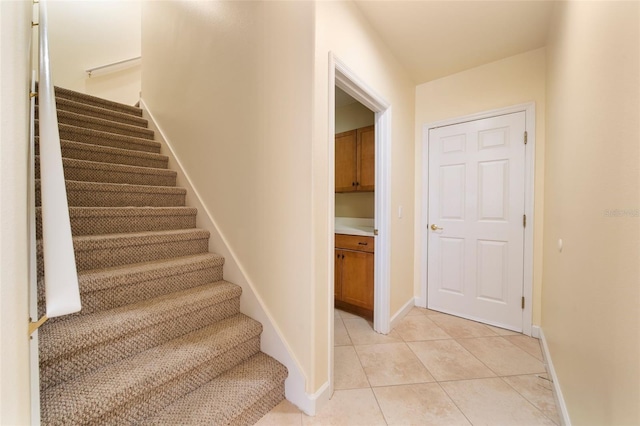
(133,388)
(228,399)
(108,288)
(93,171)
(95,101)
(111,220)
(97,137)
(79,334)
(87,122)
(105,154)
(63,104)
(95,194)
(103,251)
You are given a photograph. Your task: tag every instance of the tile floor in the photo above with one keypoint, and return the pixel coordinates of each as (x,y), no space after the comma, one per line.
(432,369)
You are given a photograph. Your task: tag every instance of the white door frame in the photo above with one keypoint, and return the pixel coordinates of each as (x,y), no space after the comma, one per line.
(340,75)
(530,126)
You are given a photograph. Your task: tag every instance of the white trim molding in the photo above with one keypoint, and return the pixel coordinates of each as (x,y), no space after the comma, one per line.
(421,256)
(557,391)
(403,312)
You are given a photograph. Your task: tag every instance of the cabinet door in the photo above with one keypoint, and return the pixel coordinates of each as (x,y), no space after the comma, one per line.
(346,147)
(366,159)
(337,280)
(357,278)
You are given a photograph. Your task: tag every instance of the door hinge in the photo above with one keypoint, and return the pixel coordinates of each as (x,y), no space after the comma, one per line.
(522,302)
(524,220)
(526,137)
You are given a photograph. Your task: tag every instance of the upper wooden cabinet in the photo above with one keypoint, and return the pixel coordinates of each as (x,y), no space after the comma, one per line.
(355,160)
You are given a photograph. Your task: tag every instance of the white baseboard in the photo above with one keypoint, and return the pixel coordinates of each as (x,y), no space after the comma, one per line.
(271,342)
(535,331)
(397,317)
(557,392)
(421,302)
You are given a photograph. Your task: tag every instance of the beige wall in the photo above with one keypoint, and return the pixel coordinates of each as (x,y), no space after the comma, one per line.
(341,29)
(353,116)
(511,81)
(238,113)
(356,204)
(87,34)
(591,292)
(15,33)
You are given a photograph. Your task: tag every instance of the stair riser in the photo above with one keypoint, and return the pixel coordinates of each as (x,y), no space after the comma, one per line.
(260,408)
(69,365)
(88,152)
(137,409)
(102,113)
(87,173)
(97,225)
(98,102)
(104,126)
(123,198)
(135,404)
(135,291)
(96,137)
(87,259)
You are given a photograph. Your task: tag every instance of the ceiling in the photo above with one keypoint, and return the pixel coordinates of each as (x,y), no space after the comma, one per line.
(433,39)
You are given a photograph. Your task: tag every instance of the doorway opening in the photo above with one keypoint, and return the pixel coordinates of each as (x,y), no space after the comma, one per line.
(340,76)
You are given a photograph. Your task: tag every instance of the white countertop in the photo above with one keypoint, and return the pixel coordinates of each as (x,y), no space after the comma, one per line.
(354,226)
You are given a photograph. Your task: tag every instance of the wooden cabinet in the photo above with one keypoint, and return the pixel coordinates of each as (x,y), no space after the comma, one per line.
(354,260)
(355,160)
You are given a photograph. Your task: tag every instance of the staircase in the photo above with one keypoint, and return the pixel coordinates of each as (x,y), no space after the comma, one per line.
(160,338)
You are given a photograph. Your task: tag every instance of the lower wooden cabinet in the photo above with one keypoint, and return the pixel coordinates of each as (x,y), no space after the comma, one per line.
(354,265)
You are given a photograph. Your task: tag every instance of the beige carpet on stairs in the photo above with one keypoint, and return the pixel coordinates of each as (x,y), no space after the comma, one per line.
(160,339)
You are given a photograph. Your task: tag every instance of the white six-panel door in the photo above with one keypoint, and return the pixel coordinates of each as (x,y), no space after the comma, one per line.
(476,208)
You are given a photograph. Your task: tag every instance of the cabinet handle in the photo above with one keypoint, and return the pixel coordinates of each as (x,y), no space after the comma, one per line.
(357,183)
(343,256)
(362,244)
(353,184)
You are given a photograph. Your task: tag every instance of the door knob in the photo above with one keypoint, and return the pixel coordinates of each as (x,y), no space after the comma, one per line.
(435,227)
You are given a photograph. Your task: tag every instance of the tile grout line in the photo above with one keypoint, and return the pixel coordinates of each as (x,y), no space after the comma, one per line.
(524,397)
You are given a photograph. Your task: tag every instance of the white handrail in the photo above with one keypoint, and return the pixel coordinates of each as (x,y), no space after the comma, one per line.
(61,278)
(90,71)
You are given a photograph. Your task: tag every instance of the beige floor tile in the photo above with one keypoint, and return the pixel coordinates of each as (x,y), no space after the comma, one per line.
(284,414)
(340,335)
(460,328)
(419,327)
(527,344)
(348,407)
(416,310)
(418,404)
(538,391)
(392,364)
(348,372)
(448,360)
(336,314)
(502,331)
(504,358)
(347,315)
(493,402)
(361,333)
